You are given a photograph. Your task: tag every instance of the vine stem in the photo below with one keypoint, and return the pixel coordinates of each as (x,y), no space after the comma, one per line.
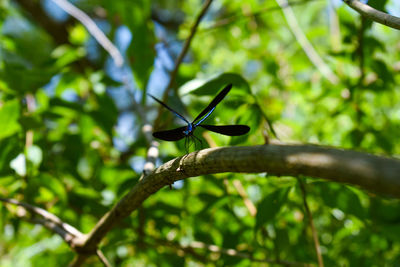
(180,57)
(313,229)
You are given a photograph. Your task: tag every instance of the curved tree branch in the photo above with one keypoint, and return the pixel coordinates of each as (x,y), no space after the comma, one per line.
(49,220)
(375,173)
(373,14)
(67,232)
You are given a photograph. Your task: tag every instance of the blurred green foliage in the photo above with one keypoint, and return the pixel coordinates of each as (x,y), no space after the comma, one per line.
(62,150)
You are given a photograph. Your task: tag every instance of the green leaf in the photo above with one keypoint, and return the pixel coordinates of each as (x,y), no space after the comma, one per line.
(356,136)
(106,114)
(383,72)
(137,16)
(214,85)
(282,239)
(391,231)
(385,210)
(378,4)
(252,117)
(32,80)
(9,115)
(341,197)
(27,64)
(9,149)
(269,207)
(55,189)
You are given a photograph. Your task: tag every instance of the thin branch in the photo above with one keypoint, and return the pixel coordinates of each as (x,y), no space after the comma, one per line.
(50,221)
(93,29)
(65,235)
(266,118)
(191,249)
(375,173)
(242,193)
(374,14)
(182,54)
(305,43)
(356,94)
(334,28)
(153,152)
(31,107)
(313,229)
(238,17)
(180,248)
(102,258)
(360,51)
(186,46)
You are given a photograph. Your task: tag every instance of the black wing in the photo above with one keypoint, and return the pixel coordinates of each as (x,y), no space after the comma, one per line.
(171,135)
(231,130)
(170,109)
(215,101)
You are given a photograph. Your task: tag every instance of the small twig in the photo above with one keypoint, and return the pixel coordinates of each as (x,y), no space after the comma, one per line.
(186,47)
(93,29)
(354,93)
(102,258)
(182,250)
(266,118)
(190,249)
(305,43)
(374,14)
(334,28)
(237,17)
(360,50)
(182,54)
(31,107)
(65,235)
(242,193)
(313,229)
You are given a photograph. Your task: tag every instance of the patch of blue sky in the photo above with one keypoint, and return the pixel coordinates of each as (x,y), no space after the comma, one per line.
(69,95)
(127,131)
(54,11)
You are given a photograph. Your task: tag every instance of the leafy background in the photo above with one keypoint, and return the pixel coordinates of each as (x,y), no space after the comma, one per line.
(71,139)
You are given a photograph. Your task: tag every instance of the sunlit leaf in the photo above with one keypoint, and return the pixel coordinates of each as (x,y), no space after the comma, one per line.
(9,115)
